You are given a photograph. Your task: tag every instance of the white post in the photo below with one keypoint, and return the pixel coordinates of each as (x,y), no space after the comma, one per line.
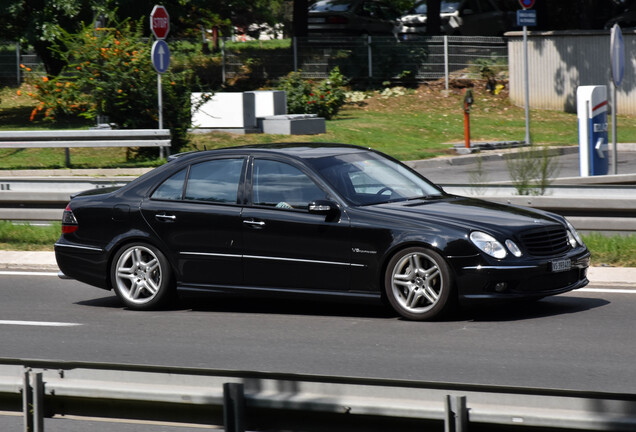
(446,59)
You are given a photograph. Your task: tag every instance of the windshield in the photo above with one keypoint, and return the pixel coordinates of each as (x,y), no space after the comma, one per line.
(331,6)
(369,178)
(446,7)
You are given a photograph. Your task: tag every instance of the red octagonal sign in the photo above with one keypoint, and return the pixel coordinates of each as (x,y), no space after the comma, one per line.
(159,22)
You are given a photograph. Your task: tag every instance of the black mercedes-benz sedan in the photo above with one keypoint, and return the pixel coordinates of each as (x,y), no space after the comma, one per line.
(312,220)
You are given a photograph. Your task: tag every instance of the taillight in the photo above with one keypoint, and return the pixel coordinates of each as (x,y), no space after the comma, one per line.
(69,223)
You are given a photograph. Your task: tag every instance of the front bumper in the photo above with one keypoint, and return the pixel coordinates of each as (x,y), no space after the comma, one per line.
(523,280)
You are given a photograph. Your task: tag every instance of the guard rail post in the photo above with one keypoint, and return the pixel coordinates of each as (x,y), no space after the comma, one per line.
(33,401)
(456,419)
(234,407)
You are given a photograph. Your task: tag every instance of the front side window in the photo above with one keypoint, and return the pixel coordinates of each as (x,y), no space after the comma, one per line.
(280,185)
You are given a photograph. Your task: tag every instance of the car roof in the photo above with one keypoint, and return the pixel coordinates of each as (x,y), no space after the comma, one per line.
(298,150)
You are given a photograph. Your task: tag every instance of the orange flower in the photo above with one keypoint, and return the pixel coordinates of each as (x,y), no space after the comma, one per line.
(22,66)
(19,92)
(45,79)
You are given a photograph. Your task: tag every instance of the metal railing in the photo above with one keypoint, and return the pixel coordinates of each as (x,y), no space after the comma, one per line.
(377,57)
(278,401)
(601,208)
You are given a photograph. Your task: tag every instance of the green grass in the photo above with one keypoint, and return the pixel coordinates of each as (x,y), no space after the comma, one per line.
(422,123)
(619,251)
(27,237)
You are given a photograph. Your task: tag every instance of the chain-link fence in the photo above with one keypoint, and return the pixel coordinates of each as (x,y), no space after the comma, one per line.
(368,58)
(383,58)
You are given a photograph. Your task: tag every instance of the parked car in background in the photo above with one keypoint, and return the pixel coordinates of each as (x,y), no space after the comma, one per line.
(351,18)
(625,20)
(461,18)
(312,220)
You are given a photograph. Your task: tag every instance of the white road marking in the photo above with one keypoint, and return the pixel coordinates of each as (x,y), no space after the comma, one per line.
(608,290)
(26,273)
(39,323)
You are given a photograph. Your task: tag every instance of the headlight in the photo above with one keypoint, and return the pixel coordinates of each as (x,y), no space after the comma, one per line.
(574,234)
(488,244)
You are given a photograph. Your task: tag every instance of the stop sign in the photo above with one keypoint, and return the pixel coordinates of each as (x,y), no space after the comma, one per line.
(159,22)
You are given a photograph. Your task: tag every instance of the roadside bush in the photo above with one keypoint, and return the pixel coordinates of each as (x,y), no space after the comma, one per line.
(306,97)
(109,73)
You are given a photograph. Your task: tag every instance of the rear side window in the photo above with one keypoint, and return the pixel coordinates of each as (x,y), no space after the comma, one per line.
(215,181)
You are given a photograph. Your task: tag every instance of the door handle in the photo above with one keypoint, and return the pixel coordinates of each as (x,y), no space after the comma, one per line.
(255,224)
(165,218)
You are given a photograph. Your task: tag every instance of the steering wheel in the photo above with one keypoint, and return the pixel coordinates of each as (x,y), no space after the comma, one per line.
(384,189)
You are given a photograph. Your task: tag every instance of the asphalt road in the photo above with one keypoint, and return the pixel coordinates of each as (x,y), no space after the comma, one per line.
(582,340)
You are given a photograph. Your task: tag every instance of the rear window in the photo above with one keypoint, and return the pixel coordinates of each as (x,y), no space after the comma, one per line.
(331,6)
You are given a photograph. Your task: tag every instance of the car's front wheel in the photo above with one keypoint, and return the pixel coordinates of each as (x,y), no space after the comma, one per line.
(141,277)
(419,284)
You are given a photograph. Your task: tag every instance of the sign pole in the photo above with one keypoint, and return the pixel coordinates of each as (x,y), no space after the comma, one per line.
(160,54)
(526,84)
(613,165)
(526,17)
(617,60)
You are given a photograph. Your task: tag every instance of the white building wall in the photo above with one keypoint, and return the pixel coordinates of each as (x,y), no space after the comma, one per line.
(560,62)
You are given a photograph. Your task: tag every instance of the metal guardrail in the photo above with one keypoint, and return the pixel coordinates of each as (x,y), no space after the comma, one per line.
(273,401)
(589,207)
(67,139)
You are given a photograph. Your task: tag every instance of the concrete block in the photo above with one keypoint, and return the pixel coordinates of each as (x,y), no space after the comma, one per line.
(225,111)
(294,124)
(269,102)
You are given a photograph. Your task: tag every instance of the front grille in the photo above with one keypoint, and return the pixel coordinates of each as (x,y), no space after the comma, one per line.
(546,241)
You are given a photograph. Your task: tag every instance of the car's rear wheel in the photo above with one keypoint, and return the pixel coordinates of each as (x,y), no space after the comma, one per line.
(141,277)
(419,284)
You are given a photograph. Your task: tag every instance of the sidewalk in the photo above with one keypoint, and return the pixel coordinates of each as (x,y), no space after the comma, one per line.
(600,277)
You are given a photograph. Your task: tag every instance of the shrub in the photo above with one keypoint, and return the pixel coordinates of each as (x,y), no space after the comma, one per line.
(305,97)
(109,72)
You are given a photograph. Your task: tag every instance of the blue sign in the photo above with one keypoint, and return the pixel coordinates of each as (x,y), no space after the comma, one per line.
(617,54)
(527,18)
(160,56)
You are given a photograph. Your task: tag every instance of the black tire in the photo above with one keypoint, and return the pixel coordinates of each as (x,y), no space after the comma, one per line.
(142,277)
(419,285)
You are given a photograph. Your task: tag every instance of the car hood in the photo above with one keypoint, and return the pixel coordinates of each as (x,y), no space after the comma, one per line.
(469,213)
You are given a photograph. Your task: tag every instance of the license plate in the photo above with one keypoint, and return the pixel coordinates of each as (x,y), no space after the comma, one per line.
(561,265)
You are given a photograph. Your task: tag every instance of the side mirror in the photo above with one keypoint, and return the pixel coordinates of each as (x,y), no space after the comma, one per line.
(323,207)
